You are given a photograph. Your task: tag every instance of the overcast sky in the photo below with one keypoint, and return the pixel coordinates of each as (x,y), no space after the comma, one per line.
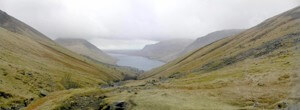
(130,24)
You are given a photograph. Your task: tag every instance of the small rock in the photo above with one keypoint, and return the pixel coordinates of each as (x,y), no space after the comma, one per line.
(5,95)
(43,93)
(255,104)
(22,72)
(282,105)
(31,99)
(102,97)
(164,94)
(29,74)
(260,84)
(121,105)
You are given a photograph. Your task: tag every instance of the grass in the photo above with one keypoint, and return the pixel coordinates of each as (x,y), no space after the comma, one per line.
(259,80)
(177,100)
(57,99)
(168,99)
(255,83)
(68,83)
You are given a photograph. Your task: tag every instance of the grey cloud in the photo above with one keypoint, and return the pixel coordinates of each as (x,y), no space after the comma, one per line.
(141,19)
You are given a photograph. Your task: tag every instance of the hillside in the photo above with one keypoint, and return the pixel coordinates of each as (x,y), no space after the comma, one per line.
(32,65)
(85,48)
(256,68)
(164,50)
(209,38)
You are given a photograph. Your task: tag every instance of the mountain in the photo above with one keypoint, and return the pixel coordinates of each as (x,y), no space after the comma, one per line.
(32,65)
(164,50)
(257,68)
(209,38)
(87,49)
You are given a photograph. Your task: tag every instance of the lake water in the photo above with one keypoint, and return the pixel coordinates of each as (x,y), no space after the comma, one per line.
(139,62)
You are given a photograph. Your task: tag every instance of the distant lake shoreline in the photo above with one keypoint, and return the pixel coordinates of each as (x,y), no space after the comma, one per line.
(139,62)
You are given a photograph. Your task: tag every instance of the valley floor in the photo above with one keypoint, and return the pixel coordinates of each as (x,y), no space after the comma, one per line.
(135,98)
(267,83)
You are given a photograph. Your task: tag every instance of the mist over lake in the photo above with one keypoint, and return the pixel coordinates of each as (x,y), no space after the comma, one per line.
(139,62)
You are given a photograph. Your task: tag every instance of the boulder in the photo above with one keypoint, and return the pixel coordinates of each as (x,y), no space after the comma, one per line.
(43,93)
(120,105)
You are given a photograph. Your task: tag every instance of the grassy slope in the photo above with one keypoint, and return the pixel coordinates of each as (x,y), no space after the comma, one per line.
(56,99)
(258,66)
(31,63)
(260,37)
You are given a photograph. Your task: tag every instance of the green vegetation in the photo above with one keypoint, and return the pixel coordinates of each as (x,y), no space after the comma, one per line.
(68,83)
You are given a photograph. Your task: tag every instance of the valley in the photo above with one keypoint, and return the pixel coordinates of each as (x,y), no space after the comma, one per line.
(244,69)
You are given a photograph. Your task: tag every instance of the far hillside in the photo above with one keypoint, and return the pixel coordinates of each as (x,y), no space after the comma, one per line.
(209,38)
(87,49)
(257,66)
(165,50)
